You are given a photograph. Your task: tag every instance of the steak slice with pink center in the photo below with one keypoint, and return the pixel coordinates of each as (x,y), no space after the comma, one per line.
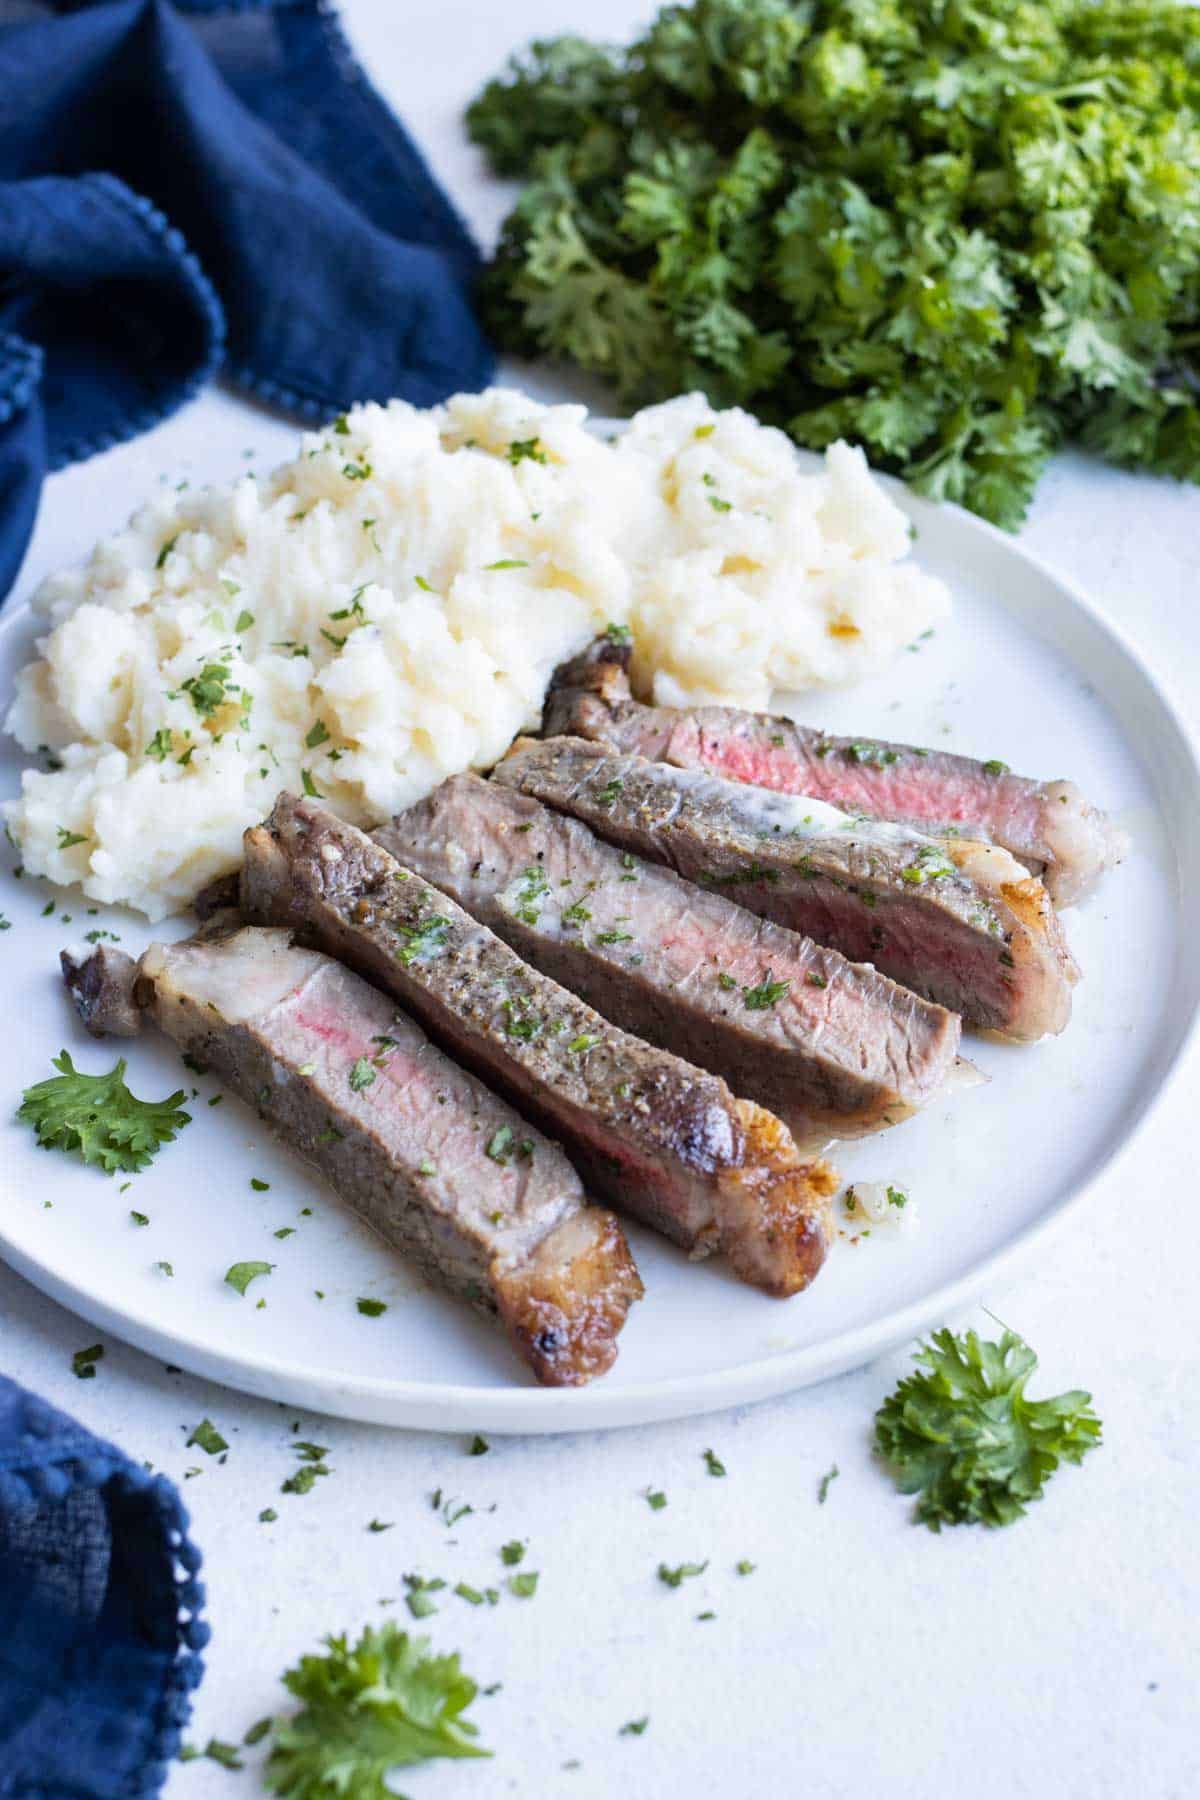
(443,1170)
(959,922)
(665,1141)
(1047,825)
(824,1043)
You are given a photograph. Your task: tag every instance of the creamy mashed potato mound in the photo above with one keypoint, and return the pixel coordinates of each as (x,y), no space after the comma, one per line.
(387,609)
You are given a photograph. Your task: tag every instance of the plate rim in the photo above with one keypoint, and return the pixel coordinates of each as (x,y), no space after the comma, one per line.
(519,1409)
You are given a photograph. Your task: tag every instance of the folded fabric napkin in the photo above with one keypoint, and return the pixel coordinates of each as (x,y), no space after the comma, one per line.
(100,1624)
(202,186)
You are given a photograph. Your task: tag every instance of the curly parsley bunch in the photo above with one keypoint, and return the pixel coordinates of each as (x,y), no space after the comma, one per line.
(957,233)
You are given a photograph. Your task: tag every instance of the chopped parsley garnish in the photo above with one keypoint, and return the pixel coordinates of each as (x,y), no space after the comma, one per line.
(244,620)
(309,785)
(767,994)
(509,562)
(995,767)
(682,1572)
(524,1585)
(371,1309)
(876,756)
(210,689)
(239,1275)
(745,1566)
(318,734)
(500,1147)
(378,1525)
(961,1434)
(285,1231)
(206,1437)
(356,471)
(422,584)
(267,1516)
(520,1022)
(897,1199)
(577,914)
(713,1463)
(725,981)
(619,634)
(424,941)
(634,1727)
(478,1446)
(164,1268)
(67,839)
(161,744)
(615,936)
(83,1363)
(259,1186)
(606,795)
(655,1499)
(829,1477)
(98,1117)
(419,1599)
(531,895)
(815,980)
(166,550)
(512,1552)
(526,450)
(140,1218)
(382,1703)
(580,1045)
(362,1075)
(719,505)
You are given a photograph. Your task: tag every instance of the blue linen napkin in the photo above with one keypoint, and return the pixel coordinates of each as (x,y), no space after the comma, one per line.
(198,186)
(100,1612)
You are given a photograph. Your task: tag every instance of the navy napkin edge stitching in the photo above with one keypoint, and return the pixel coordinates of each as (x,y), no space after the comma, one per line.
(103,1463)
(177,394)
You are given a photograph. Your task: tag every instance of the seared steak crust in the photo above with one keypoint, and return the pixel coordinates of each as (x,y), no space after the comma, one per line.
(664,1140)
(841,1048)
(959,922)
(1049,826)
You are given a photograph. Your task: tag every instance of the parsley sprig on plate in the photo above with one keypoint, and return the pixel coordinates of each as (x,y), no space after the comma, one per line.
(97,1116)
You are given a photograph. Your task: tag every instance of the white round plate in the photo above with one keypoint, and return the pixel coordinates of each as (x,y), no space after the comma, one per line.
(1025,671)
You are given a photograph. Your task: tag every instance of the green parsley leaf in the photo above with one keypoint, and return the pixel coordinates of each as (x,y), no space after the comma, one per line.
(994,767)
(309,785)
(243,621)
(382,1703)
(511,562)
(655,1499)
(478,1446)
(83,1363)
(524,1585)
(682,1572)
(713,1463)
(371,1309)
(634,1727)
(160,745)
(744,1566)
(826,1481)
(318,734)
(98,1117)
(768,993)
(140,1218)
(206,1437)
(378,1525)
(424,941)
(240,1275)
(267,1516)
(961,1433)
(526,450)
(166,550)
(257,1732)
(225,1754)
(362,1075)
(513,1552)
(210,689)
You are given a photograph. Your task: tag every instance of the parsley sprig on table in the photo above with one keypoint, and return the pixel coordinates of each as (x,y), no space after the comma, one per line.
(956,235)
(961,1432)
(380,1704)
(97,1116)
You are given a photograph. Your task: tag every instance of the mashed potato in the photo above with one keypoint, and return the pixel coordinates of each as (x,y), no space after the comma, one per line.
(387,609)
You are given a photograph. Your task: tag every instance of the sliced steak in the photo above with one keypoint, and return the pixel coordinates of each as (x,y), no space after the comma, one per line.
(101,985)
(664,1140)
(1047,825)
(443,1170)
(838,1046)
(962,923)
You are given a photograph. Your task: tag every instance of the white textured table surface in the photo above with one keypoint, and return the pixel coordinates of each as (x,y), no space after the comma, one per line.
(864,1656)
